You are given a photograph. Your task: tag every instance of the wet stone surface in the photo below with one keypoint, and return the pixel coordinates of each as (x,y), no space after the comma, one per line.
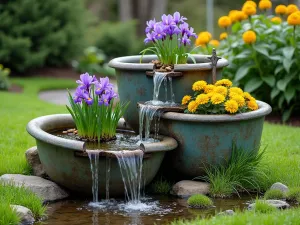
(159,210)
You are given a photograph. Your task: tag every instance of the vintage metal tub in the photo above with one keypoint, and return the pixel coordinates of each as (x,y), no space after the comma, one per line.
(135,86)
(67,164)
(208,139)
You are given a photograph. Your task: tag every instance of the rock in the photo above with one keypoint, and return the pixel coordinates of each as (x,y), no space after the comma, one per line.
(186,188)
(280,186)
(25,214)
(276,203)
(228,212)
(33,159)
(46,189)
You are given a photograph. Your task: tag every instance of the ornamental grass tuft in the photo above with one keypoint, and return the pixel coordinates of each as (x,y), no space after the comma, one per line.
(263,207)
(274,194)
(161,186)
(199,201)
(293,195)
(242,172)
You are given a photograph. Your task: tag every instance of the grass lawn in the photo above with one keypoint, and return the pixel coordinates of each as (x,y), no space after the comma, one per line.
(17,109)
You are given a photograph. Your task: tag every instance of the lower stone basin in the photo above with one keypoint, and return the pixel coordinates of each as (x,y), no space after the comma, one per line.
(66,162)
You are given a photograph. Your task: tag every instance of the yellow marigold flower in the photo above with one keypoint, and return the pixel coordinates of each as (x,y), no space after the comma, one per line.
(294,19)
(250,2)
(202,99)
(240,15)
(221,90)
(276,20)
(203,38)
(210,94)
(199,85)
(239,99)
(236,90)
(224,21)
(192,106)
(233,15)
(209,88)
(248,97)
(214,43)
(249,37)
(217,98)
(223,36)
(281,9)
(186,99)
(249,9)
(231,106)
(224,82)
(265,4)
(252,105)
(291,9)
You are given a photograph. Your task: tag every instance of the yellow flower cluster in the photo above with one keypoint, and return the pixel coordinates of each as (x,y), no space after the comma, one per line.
(294,18)
(265,4)
(249,37)
(203,38)
(222,95)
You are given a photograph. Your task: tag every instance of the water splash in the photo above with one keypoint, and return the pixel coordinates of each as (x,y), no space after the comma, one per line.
(94,161)
(131,165)
(158,78)
(146,113)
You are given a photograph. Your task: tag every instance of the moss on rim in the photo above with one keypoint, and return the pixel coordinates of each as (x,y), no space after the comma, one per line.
(199,201)
(274,194)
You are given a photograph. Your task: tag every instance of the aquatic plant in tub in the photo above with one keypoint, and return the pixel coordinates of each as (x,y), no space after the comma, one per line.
(94,156)
(170,42)
(217,115)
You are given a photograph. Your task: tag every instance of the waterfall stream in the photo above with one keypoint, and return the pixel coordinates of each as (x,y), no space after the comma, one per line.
(94,160)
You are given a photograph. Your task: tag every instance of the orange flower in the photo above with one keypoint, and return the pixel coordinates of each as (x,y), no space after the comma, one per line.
(249,9)
(281,9)
(265,4)
(232,15)
(214,43)
(250,2)
(223,36)
(249,37)
(276,19)
(291,9)
(203,38)
(294,19)
(224,21)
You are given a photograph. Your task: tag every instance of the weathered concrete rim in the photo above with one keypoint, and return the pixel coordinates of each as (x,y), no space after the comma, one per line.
(38,128)
(263,110)
(133,63)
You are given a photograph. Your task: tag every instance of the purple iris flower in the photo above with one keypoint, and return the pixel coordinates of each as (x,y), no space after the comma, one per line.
(150,25)
(184,27)
(190,33)
(149,37)
(89,101)
(178,19)
(172,29)
(159,32)
(80,94)
(185,40)
(103,85)
(86,81)
(167,19)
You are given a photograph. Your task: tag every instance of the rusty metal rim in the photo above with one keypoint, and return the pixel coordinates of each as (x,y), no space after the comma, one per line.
(38,128)
(263,110)
(133,63)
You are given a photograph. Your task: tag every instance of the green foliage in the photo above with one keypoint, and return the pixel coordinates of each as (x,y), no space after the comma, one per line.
(293,194)
(21,196)
(199,201)
(93,62)
(269,68)
(38,33)
(160,186)
(4,82)
(118,39)
(7,215)
(274,194)
(243,171)
(263,207)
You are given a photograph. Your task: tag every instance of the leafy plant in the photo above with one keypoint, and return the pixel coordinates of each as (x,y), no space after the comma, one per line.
(293,194)
(274,194)
(4,82)
(161,186)
(170,38)
(37,33)
(199,201)
(92,109)
(243,171)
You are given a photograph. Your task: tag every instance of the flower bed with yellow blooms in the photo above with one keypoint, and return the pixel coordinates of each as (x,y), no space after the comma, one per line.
(263,52)
(218,98)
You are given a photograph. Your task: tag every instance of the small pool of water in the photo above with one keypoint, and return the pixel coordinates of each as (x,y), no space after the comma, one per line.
(152,210)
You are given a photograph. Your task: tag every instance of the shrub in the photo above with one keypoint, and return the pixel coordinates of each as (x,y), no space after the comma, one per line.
(263,55)
(161,186)
(118,39)
(37,33)
(199,201)
(263,207)
(293,194)
(4,82)
(243,171)
(274,194)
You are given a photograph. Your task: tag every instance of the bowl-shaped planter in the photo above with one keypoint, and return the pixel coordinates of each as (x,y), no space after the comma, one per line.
(66,162)
(208,139)
(135,86)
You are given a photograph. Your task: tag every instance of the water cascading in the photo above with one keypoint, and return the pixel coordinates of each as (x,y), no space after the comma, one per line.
(94,161)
